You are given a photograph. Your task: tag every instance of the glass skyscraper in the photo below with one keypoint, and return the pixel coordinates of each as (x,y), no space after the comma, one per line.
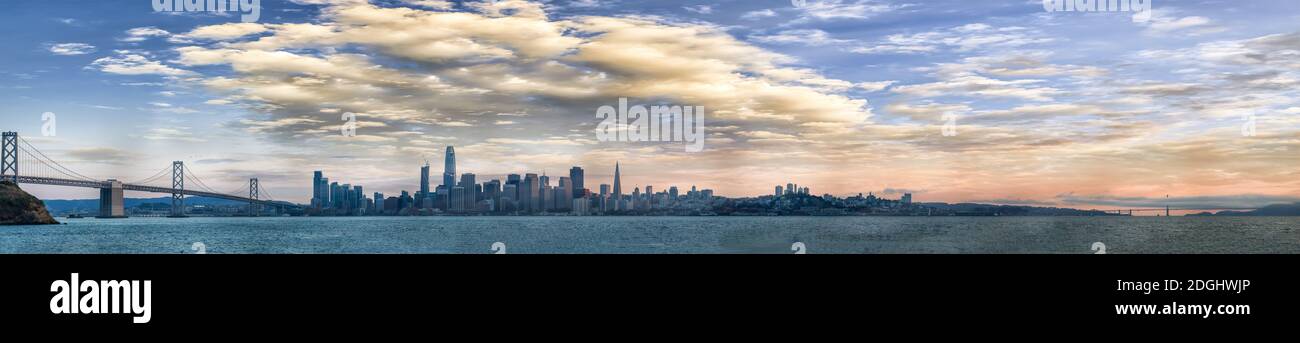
(576,176)
(449,169)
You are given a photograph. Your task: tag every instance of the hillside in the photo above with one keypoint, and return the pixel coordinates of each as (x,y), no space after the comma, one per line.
(19,208)
(1280,210)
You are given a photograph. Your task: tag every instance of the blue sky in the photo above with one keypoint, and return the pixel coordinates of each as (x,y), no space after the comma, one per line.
(847,96)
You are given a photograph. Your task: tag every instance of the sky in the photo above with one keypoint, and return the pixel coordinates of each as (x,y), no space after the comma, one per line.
(953,101)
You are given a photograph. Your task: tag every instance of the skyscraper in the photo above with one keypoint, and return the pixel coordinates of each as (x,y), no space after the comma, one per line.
(564,194)
(449,169)
(316,190)
(470,197)
(424,179)
(449,175)
(531,187)
(336,196)
(325,192)
(576,176)
(513,179)
(618,188)
(360,198)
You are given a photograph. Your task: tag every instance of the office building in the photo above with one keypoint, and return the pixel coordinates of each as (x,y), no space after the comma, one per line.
(576,176)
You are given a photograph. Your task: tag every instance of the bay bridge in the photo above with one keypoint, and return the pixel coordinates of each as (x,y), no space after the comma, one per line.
(22,163)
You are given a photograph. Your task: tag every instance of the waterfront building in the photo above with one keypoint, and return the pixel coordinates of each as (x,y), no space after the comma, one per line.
(618,188)
(576,176)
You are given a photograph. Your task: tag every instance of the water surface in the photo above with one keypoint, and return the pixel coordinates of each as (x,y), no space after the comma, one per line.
(652,235)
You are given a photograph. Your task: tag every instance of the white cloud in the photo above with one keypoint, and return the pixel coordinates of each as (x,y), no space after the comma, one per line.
(434,4)
(759,14)
(961,38)
(140,34)
(875,86)
(809,37)
(227,31)
(1166,21)
(134,64)
(71,49)
(699,9)
(844,9)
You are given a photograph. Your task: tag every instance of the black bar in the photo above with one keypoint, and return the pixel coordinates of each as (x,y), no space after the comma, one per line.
(354,292)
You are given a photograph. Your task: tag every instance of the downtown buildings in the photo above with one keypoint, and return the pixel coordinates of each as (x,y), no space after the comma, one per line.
(332,198)
(538,194)
(526,194)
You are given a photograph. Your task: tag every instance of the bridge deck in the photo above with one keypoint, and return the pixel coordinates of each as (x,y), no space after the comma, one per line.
(142,188)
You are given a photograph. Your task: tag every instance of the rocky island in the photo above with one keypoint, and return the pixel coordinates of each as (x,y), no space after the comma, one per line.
(19,208)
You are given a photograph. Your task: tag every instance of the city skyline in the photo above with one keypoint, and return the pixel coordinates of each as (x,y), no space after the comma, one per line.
(847,96)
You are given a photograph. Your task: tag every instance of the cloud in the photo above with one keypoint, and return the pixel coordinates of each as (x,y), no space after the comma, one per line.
(809,37)
(434,4)
(1166,21)
(507,59)
(71,49)
(141,34)
(171,134)
(963,38)
(875,86)
(843,9)
(759,14)
(585,3)
(980,86)
(134,64)
(226,31)
(100,155)
(699,9)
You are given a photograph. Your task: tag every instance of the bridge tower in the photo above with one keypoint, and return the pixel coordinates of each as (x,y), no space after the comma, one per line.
(178,189)
(9,158)
(111,204)
(254,191)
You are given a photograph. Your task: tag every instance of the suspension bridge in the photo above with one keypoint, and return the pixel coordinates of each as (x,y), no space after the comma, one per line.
(1168,212)
(22,163)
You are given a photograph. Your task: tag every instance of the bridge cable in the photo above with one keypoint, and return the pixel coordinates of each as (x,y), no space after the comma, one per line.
(56,163)
(189,174)
(65,172)
(153,178)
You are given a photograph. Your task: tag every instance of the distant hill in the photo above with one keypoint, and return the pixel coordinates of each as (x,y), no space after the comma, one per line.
(92,205)
(1009,210)
(1280,210)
